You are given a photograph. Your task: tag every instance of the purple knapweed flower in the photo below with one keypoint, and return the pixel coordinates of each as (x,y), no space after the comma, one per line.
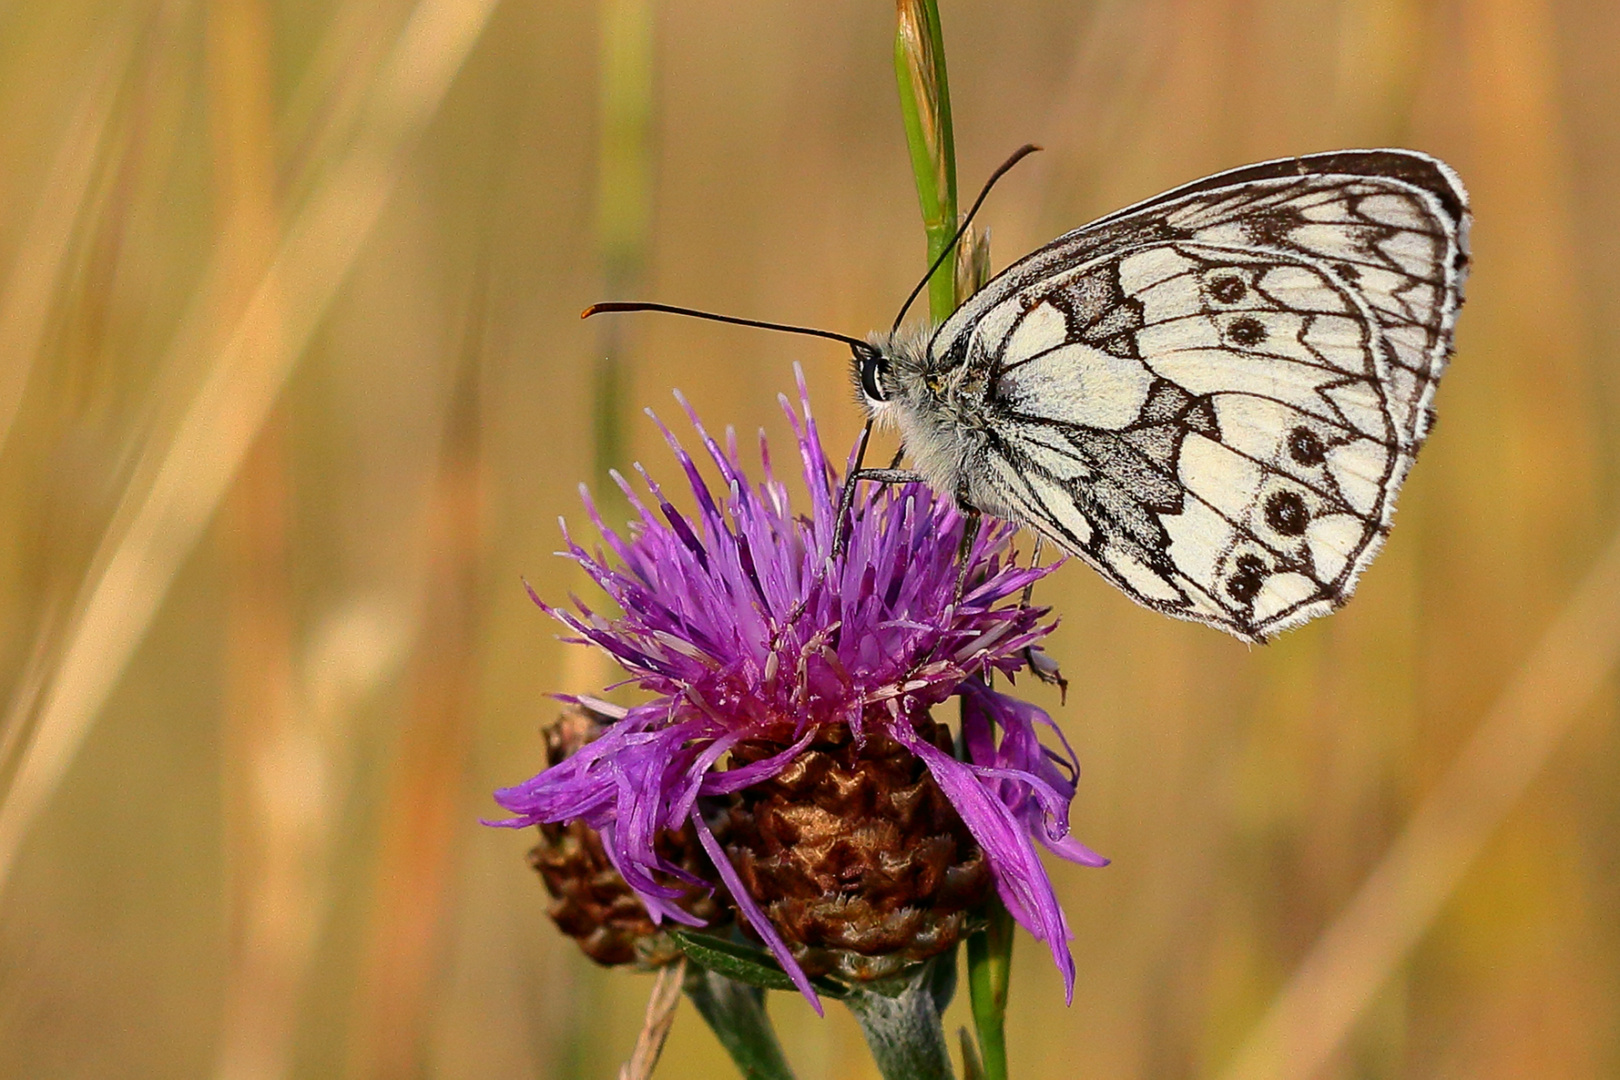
(744,625)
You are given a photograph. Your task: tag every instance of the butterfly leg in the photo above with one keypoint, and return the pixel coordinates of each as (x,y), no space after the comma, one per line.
(846,501)
(1042,666)
(1034,561)
(971,519)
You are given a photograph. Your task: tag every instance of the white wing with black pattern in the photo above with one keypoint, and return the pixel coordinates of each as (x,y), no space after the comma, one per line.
(1212,397)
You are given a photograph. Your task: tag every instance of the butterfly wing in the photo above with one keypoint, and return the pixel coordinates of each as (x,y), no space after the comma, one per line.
(1213,397)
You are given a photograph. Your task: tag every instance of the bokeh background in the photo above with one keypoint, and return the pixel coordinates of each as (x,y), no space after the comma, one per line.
(293,391)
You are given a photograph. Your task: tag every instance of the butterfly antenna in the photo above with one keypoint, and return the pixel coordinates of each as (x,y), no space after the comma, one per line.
(1018,155)
(615,305)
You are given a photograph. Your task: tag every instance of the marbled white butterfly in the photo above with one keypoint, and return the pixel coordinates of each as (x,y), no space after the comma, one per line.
(1212,396)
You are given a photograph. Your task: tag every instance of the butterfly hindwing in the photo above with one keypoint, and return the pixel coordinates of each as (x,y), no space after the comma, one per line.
(1213,397)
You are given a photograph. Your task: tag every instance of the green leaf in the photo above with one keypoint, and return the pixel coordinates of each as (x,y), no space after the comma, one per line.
(745,963)
(971,1068)
(739,962)
(736,1014)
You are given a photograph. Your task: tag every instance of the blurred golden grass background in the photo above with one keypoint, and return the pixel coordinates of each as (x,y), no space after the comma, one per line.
(292,392)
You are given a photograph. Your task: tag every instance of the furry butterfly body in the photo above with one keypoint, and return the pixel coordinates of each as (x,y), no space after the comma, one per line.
(1213,396)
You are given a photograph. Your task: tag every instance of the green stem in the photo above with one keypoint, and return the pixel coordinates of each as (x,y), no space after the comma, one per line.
(989,974)
(736,1015)
(623,217)
(925,107)
(903,1029)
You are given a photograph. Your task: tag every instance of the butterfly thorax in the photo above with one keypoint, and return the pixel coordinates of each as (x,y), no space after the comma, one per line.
(937,409)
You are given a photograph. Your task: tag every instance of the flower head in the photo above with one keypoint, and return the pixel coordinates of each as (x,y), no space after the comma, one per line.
(590,901)
(743,625)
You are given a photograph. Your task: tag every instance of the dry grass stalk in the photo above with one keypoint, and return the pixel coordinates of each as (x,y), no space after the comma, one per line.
(156,529)
(423,811)
(36,270)
(661,1006)
(1400,899)
(273,768)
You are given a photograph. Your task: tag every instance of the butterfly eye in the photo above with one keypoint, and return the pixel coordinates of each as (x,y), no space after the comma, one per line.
(873,367)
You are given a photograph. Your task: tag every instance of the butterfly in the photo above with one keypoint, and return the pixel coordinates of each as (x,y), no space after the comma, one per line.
(1212,397)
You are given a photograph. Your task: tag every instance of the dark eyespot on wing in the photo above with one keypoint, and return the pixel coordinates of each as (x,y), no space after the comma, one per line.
(1305,448)
(1228,290)
(1286,513)
(1246,332)
(1245,584)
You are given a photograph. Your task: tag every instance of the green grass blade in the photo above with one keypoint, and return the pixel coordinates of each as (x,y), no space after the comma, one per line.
(925,107)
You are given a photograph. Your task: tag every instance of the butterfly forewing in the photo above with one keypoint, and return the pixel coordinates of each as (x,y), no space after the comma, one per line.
(1213,397)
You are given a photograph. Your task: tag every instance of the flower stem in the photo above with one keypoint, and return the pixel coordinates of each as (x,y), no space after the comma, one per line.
(989,973)
(903,1030)
(925,106)
(736,1015)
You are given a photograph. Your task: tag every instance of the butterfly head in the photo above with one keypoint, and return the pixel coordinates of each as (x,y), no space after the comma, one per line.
(870,361)
(888,369)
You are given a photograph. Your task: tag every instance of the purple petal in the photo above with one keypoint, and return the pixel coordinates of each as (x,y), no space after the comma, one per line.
(1020,877)
(756,918)
(736,779)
